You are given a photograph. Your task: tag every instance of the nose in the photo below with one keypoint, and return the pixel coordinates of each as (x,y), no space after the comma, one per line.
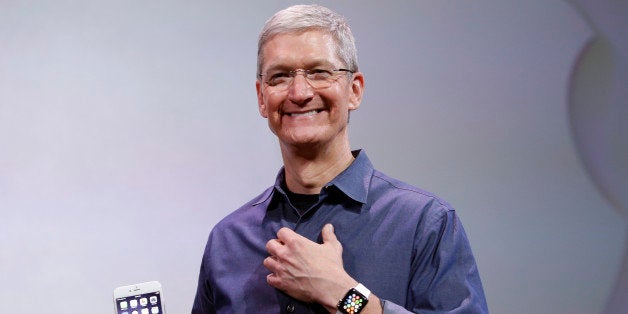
(300,91)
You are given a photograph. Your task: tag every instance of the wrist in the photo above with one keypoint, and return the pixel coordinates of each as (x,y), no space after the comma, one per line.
(331,297)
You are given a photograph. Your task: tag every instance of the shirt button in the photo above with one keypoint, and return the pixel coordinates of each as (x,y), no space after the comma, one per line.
(290,308)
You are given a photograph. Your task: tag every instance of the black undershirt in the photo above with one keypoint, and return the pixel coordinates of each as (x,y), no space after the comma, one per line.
(302,202)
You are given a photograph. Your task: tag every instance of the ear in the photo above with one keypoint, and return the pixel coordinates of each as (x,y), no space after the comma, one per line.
(357,89)
(260,99)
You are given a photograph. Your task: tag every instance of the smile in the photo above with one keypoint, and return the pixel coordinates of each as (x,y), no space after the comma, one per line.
(304,114)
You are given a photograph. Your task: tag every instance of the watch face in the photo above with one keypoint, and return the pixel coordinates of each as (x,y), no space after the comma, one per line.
(353,302)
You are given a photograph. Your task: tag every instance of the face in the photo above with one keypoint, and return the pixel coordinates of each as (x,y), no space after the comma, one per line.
(302,116)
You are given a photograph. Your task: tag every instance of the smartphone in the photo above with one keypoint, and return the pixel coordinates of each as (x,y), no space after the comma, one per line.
(141,298)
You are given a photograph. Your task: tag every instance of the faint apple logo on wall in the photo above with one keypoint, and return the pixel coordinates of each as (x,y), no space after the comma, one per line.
(598,112)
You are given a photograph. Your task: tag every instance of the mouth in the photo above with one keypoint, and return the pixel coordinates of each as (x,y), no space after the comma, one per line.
(303,114)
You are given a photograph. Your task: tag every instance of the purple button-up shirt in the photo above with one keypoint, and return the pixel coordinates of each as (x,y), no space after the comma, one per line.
(404,244)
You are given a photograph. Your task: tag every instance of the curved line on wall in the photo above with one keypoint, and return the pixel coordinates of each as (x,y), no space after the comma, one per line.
(590,107)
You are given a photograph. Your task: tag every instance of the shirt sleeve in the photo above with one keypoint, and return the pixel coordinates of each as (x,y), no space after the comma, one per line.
(444,277)
(392,308)
(203,301)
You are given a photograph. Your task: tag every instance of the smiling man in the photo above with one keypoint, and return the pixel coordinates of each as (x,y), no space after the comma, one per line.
(332,234)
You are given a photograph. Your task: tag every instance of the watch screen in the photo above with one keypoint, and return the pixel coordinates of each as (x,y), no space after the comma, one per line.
(147,303)
(353,302)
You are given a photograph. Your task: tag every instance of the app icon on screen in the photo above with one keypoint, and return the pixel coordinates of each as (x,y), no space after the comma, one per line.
(143,301)
(134,312)
(154,310)
(123,305)
(153,300)
(133,303)
(144,311)
(125,312)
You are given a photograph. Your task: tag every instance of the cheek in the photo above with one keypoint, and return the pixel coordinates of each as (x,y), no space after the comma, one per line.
(273,102)
(341,95)
(266,105)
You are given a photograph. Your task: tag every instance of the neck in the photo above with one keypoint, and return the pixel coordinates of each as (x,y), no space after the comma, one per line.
(308,170)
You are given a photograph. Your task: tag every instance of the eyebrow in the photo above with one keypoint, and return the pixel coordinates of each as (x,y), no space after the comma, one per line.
(309,65)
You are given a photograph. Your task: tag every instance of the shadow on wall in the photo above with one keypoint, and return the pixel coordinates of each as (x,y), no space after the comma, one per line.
(597,112)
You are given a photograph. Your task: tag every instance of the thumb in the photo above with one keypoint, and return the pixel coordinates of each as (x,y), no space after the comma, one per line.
(328,234)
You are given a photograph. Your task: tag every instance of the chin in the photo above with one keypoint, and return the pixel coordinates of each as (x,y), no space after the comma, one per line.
(301,141)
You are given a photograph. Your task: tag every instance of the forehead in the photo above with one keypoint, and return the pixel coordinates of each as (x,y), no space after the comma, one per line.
(300,50)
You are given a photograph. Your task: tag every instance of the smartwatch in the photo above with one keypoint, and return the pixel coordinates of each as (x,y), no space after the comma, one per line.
(354,301)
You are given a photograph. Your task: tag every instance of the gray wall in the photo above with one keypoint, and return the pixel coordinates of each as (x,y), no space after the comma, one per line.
(129,128)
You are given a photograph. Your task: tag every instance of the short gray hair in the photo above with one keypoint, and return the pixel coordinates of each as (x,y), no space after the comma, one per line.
(302,18)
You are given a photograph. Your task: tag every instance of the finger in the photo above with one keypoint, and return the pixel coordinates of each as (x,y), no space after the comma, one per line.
(275,267)
(286,234)
(328,234)
(271,263)
(273,247)
(273,280)
(290,240)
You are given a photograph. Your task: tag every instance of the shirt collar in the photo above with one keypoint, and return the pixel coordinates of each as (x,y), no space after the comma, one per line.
(353,181)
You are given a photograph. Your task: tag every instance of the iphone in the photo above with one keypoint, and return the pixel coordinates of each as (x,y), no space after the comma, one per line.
(141,298)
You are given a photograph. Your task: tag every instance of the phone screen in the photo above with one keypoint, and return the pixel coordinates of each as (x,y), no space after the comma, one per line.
(147,303)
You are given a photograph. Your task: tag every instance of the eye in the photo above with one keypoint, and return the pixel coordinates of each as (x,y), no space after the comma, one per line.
(319,74)
(278,78)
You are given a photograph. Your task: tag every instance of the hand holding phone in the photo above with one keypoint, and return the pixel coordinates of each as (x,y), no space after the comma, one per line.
(141,298)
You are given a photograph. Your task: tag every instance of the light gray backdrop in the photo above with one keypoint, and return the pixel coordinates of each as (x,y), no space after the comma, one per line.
(129,128)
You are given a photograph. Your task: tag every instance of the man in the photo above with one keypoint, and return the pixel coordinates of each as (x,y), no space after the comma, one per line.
(332,234)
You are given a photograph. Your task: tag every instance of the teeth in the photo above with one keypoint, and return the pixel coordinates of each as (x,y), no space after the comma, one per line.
(309,113)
